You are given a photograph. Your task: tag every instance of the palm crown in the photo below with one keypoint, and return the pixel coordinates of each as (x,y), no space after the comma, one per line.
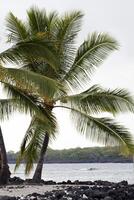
(50,74)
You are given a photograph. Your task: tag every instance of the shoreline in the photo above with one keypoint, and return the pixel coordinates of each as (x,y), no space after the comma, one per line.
(96,190)
(123,162)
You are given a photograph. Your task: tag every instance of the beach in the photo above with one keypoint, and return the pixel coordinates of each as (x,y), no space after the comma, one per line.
(24,190)
(97,190)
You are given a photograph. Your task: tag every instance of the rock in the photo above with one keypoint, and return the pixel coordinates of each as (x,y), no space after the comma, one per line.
(84,196)
(59,194)
(108,198)
(34,194)
(23,198)
(33,198)
(76,182)
(7,198)
(80,190)
(69,182)
(31,182)
(47,194)
(49,182)
(104,183)
(16,180)
(62,183)
(125,183)
(98,194)
(86,183)
(84,187)
(88,192)
(112,192)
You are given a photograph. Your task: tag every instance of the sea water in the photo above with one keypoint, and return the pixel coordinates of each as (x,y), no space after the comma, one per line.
(114,172)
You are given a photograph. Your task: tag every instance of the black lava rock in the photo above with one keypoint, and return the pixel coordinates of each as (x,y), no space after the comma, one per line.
(77,190)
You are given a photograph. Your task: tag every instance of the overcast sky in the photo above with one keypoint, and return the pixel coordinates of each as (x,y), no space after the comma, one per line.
(112,16)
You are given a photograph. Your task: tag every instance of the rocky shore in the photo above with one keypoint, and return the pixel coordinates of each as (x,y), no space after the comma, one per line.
(77,190)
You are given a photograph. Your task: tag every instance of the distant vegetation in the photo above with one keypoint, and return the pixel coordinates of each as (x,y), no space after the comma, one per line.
(81,155)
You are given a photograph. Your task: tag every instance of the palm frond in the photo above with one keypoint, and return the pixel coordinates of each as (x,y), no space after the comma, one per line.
(37,20)
(7,107)
(96,100)
(16,28)
(90,54)
(30,82)
(32,142)
(35,49)
(103,130)
(41,68)
(30,67)
(67,29)
(40,22)
(52,20)
(27,104)
(19,103)
(23,103)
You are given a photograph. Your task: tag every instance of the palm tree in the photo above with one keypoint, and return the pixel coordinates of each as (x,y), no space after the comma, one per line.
(4,168)
(51,74)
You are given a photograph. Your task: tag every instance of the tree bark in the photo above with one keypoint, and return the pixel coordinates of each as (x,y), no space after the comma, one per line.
(4,168)
(38,172)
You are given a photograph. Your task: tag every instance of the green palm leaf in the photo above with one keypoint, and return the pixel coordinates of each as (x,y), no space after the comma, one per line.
(102,130)
(26,104)
(34,49)
(17,28)
(41,22)
(52,20)
(41,68)
(33,140)
(90,54)
(30,82)
(7,107)
(67,29)
(96,100)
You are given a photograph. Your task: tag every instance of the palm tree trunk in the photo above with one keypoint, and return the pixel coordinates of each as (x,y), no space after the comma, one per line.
(38,171)
(4,168)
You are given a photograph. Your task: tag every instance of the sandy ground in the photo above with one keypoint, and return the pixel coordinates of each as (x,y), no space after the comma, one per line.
(23,190)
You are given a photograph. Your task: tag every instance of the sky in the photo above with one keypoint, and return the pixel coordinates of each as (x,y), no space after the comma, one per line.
(112,16)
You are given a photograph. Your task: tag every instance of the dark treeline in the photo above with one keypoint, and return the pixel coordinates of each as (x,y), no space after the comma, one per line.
(81,155)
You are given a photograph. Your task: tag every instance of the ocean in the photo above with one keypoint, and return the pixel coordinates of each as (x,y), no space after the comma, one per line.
(114,172)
